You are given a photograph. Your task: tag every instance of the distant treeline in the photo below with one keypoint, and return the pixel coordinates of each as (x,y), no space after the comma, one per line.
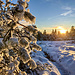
(56,35)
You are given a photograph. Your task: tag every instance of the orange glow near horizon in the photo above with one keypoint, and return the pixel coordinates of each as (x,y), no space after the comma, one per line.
(62,30)
(58,28)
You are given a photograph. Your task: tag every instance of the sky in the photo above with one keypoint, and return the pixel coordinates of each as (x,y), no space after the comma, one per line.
(52,14)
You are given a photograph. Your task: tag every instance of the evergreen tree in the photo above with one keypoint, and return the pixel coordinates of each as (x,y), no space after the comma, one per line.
(52,31)
(72,28)
(44,32)
(55,31)
(72,32)
(59,33)
(17,44)
(40,36)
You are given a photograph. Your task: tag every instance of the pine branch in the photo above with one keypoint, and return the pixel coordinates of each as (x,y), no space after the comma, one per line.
(21,25)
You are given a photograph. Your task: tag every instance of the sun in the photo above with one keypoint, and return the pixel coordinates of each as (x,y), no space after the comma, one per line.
(62,31)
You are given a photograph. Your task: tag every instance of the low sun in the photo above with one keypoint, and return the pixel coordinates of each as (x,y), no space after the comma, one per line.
(63,31)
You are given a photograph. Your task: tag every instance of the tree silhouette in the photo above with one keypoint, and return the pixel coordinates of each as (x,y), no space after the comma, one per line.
(72,32)
(44,32)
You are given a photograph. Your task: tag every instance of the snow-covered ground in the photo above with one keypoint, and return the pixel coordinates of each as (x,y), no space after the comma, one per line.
(62,52)
(50,68)
(56,58)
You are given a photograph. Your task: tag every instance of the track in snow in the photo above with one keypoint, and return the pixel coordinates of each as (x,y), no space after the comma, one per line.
(60,68)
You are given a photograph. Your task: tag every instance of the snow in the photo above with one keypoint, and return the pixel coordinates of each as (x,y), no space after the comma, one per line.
(39,57)
(1,39)
(63,52)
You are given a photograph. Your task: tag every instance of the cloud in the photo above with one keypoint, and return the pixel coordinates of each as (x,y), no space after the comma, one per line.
(53,17)
(72,15)
(67,8)
(66,13)
(69,11)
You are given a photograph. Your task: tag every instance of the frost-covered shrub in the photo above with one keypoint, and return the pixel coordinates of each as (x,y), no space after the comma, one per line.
(17,43)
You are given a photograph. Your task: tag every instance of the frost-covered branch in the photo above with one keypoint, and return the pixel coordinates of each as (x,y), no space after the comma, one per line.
(17,42)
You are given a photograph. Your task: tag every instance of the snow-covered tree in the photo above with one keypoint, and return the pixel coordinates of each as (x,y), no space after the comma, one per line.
(17,43)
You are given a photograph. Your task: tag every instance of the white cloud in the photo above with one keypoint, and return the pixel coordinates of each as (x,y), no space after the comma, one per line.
(72,15)
(67,8)
(69,11)
(66,13)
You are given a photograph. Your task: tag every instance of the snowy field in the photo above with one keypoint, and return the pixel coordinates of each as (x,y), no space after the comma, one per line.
(62,53)
(56,58)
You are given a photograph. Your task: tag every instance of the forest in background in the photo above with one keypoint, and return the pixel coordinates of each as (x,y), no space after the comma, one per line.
(56,35)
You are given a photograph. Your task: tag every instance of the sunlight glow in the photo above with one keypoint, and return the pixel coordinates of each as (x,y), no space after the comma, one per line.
(62,31)
(59,28)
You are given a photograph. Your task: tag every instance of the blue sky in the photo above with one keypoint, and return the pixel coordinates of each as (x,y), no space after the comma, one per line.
(53,13)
